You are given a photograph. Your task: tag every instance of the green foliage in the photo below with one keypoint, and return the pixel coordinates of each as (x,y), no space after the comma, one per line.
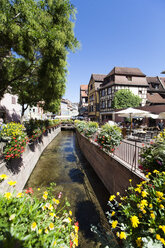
(28,221)
(17,140)
(93,124)
(139,217)
(153,157)
(87,128)
(109,137)
(35,37)
(125,98)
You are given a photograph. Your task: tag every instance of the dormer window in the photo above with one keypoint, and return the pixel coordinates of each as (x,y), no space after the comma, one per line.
(129,78)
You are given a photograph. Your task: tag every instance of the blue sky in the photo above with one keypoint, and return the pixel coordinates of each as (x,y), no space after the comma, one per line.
(126,33)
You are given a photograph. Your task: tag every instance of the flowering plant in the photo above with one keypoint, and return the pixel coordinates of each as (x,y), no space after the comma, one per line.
(17,140)
(109,137)
(27,221)
(153,157)
(139,217)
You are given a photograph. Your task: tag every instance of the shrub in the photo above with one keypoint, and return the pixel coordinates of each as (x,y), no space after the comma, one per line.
(139,217)
(153,157)
(17,140)
(109,137)
(28,221)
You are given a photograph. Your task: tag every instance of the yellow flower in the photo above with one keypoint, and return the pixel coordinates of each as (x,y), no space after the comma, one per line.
(52,214)
(45,193)
(75,241)
(50,207)
(54,243)
(46,231)
(152,215)
(158,237)
(122,235)
(3,176)
(159,194)
(56,201)
(11,183)
(163,228)
(38,189)
(12,217)
(44,197)
(113,213)
(139,242)
(118,193)
(76,229)
(118,234)
(144,211)
(135,221)
(51,226)
(19,195)
(69,219)
(7,195)
(70,213)
(39,231)
(144,193)
(163,241)
(161,206)
(150,205)
(138,190)
(114,223)
(144,203)
(33,226)
(130,180)
(112,197)
(156,171)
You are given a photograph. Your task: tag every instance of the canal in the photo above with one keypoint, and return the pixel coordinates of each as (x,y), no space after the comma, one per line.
(63,163)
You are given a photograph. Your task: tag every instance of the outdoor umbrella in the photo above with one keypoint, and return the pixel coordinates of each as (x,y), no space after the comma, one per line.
(162,115)
(131,112)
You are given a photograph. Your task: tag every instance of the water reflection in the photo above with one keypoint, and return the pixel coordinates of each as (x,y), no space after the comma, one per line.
(63,163)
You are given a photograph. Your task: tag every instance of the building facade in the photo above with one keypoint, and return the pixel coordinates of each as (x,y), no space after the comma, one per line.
(121,78)
(83,103)
(93,96)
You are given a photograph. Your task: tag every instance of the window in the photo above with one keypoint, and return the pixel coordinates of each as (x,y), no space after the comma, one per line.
(103,105)
(91,87)
(129,78)
(109,91)
(13,100)
(34,110)
(140,91)
(103,93)
(109,102)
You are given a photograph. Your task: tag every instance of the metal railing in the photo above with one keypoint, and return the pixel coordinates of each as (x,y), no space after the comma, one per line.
(129,152)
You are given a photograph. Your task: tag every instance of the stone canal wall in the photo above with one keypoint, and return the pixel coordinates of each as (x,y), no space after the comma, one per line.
(113,173)
(20,169)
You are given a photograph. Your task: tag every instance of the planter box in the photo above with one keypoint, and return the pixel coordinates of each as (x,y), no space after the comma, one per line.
(20,169)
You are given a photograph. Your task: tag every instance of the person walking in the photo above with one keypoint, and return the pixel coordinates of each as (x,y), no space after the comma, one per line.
(160,125)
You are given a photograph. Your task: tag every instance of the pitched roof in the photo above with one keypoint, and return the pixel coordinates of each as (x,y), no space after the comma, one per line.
(98,77)
(152,80)
(84,94)
(126,71)
(155,98)
(84,87)
(163,81)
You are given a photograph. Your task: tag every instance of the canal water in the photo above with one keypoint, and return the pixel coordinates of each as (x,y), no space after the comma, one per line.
(63,163)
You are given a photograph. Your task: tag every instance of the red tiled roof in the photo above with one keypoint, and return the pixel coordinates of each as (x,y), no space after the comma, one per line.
(155,98)
(126,71)
(84,87)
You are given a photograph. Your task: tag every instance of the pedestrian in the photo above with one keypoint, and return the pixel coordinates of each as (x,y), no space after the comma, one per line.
(160,125)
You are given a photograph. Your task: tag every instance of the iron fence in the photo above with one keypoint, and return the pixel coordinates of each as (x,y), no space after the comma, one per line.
(129,152)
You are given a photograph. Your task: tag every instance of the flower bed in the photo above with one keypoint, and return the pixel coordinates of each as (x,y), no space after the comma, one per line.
(17,140)
(138,218)
(28,221)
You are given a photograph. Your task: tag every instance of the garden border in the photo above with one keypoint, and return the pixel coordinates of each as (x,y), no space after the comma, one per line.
(19,170)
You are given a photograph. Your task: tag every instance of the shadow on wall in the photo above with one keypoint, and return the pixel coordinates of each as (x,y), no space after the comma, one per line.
(7,117)
(14,165)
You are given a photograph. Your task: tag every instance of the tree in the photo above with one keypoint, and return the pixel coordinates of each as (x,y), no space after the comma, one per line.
(125,98)
(35,38)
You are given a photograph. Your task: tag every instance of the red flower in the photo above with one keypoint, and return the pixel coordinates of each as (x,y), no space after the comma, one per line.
(112,149)
(15,145)
(71,243)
